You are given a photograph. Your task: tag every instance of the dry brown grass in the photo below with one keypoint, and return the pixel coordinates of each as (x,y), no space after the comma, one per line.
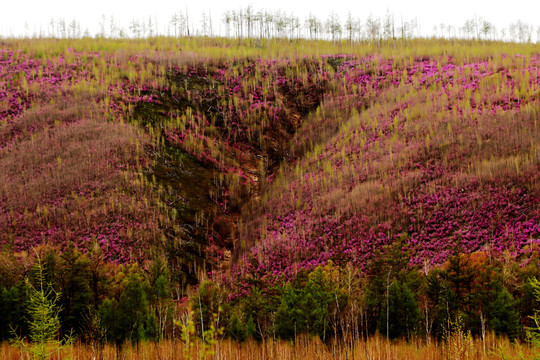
(61,161)
(375,348)
(71,177)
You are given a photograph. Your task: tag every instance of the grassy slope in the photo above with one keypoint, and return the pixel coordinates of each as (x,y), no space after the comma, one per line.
(431,145)
(69,175)
(443,159)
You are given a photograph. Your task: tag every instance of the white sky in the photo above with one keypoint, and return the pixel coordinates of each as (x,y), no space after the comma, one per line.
(37,13)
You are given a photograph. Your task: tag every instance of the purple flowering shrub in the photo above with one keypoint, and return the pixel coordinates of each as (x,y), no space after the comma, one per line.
(439,155)
(303,160)
(69,176)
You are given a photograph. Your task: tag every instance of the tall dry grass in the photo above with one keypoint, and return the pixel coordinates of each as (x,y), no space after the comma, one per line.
(71,175)
(375,348)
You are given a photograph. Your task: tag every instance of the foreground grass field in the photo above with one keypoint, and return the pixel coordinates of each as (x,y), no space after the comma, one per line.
(375,348)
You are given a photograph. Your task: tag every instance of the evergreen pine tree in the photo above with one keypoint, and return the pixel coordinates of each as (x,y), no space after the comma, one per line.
(43,321)
(403,312)
(129,318)
(533,332)
(11,308)
(504,317)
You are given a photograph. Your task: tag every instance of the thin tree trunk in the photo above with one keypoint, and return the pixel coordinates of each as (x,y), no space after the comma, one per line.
(388,304)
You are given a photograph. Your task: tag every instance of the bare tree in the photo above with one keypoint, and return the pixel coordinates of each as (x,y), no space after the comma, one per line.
(373,29)
(486,29)
(204,24)
(134,28)
(52,28)
(143,28)
(388,28)
(294,26)
(442,27)
(450,31)
(388,304)
(241,18)
(102,25)
(183,29)
(313,26)
(249,15)
(358,29)
(114,28)
(151,27)
(74,29)
(350,27)
(468,28)
(259,19)
(61,26)
(174,22)
(333,26)
(210,27)
(280,23)
(226,19)
(186,22)
(232,20)
(520,31)
(503,35)
(268,21)
(477,21)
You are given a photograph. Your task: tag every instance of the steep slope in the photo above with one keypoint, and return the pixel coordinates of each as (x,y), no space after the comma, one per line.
(276,164)
(443,158)
(69,175)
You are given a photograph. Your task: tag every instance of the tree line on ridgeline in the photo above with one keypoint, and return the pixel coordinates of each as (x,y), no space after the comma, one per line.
(250,23)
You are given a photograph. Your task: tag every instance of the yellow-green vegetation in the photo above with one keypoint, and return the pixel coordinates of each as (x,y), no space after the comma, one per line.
(270,198)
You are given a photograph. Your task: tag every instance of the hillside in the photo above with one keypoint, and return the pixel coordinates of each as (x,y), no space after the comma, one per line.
(243,171)
(435,155)
(344,154)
